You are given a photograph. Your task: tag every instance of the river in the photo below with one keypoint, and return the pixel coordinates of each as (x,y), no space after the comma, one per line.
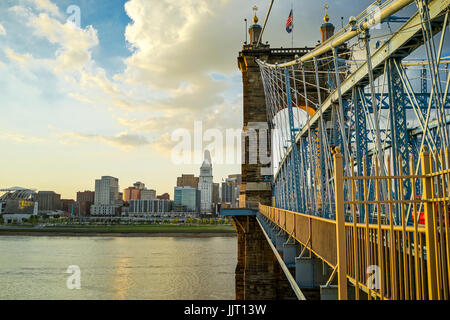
(35,267)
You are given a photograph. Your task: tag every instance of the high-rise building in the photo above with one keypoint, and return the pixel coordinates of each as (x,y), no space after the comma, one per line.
(139,185)
(106,191)
(138,192)
(231,189)
(215,193)
(148,194)
(85,200)
(187,197)
(205,184)
(106,200)
(227,192)
(48,201)
(188,180)
(131,193)
(215,198)
(86,196)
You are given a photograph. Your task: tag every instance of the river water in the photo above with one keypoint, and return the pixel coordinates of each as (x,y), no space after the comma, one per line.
(118,267)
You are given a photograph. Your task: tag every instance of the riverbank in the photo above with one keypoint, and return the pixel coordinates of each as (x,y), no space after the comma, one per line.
(123,231)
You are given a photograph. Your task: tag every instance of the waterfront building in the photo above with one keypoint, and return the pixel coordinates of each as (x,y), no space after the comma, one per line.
(227,192)
(15,193)
(17,204)
(231,189)
(131,193)
(138,192)
(106,199)
(139,208)
(187,197)
(19,210)
(105,210)
(215,193)
(20,207)
(106,191)
(86,196)
(85,200)
(48,201)
(67,204)
(148,194)
(215,196)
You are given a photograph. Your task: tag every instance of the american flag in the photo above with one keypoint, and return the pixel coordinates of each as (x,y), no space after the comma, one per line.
(289,24)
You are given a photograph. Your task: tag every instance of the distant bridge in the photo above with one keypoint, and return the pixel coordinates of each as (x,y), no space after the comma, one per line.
(358,136)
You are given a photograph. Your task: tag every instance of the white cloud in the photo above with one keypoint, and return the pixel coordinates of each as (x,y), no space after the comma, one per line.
(22,59)
(167,81)
(177,45)
(20,138)
(80,98)
(2,30)
(46,6)
(122,140)
(176,42)
(75,43)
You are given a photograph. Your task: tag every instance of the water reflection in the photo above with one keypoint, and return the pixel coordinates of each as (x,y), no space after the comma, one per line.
(118,268)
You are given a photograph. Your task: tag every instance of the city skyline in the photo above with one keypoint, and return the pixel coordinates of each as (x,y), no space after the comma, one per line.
(104,98)
(120,188)
(138,185)
(206,150)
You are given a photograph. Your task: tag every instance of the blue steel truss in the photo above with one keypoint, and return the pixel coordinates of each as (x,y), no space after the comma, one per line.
(399,131)
(304,178)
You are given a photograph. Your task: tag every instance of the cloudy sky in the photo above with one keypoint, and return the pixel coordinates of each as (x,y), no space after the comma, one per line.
(104,98)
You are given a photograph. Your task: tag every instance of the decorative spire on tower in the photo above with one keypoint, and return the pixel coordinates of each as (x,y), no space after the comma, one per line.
(327,29)
(255,29)
(255,18)
(326,18)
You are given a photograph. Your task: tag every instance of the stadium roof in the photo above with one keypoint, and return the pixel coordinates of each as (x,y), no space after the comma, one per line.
(17,193)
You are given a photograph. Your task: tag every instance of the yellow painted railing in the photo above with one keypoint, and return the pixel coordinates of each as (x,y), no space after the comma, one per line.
(383,259)
(315,233)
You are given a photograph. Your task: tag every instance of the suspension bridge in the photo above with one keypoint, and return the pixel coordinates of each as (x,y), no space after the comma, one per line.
(354,202)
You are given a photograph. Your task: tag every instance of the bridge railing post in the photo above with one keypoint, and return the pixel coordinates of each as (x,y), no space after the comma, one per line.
(340,225)
(425,159)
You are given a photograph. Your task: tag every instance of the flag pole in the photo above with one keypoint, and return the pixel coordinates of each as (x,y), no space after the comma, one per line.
(292,36)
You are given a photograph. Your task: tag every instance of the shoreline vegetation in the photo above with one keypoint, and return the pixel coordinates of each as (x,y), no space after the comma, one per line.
(123,231)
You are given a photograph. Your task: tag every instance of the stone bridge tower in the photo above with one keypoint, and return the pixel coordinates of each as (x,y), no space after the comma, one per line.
(256,183)
(258,273)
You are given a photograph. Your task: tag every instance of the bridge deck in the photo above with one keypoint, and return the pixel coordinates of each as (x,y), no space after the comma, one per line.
(382,258)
